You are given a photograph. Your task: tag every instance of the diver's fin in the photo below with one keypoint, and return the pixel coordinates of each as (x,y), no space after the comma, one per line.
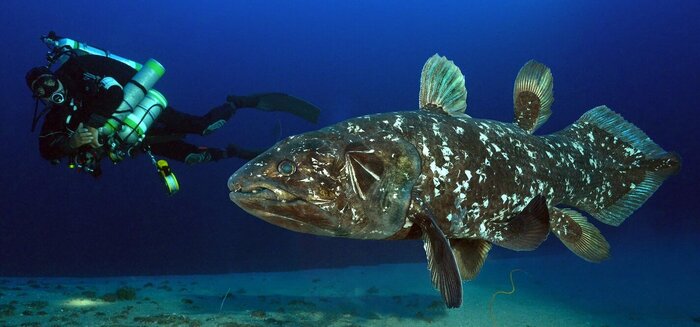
(528,229)
(441,261)
(278,102)
(579,235)
(533,96)
(470,255)
(442,87)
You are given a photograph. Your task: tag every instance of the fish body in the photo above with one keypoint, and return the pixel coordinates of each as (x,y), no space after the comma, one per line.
(460,184)
(478,173)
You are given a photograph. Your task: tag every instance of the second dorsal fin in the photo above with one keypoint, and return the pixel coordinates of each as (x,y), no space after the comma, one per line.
(533,96)
(442,87)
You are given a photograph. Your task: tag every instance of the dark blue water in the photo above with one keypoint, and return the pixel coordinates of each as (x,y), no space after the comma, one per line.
(350,58)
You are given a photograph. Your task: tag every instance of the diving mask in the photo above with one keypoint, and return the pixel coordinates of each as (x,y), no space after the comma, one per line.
(47,86)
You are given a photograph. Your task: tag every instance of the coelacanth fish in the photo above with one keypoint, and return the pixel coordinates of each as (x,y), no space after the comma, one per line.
(459,183)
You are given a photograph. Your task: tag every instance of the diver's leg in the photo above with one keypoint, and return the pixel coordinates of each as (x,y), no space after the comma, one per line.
(188,153)
(179,122)
(191,154)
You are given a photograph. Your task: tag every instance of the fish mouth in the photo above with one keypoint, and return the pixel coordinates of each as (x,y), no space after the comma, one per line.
(272,203)
(260,192)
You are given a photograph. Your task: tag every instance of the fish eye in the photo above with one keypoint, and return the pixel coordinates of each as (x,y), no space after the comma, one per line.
(286,167)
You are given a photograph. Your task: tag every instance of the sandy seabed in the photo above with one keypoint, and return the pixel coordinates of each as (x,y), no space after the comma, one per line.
(549,291)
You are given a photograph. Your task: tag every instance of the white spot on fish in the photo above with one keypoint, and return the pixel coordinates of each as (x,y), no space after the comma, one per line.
(446,152)
(482,228)
(355,129)
(482,176)
(483,138)
(398,123)
(425,150)
(578,147)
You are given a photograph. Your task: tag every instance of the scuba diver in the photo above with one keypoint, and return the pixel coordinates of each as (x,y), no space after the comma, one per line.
(98,105)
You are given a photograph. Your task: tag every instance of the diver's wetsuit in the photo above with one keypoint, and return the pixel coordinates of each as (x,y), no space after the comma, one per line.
(165,137)
(92,104)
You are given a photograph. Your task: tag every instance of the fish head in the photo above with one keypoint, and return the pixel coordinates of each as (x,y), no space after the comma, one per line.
(330,183)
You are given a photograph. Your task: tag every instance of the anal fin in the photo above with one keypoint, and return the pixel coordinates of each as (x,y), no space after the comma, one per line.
(441,261)
(470,255)
(526,230)
(579,235)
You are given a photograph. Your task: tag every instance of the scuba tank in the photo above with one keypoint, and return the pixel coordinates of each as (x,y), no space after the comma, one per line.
(142,104)
(132,114)
(137,123)
(63,48)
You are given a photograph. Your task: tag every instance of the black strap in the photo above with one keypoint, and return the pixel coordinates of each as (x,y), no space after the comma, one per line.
(36,118)
(137,84)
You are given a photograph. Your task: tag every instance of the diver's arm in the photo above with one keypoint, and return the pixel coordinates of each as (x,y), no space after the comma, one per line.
(108,98)
(92,79)
(54,139)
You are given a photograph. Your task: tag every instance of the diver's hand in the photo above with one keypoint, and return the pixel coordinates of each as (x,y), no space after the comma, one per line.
(81,136)
(95,134)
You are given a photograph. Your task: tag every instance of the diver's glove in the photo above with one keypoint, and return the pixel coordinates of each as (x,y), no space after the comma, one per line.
(235,151)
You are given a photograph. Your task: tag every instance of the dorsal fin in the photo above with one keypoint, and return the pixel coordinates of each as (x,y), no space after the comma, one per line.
(533,96)
(442,87)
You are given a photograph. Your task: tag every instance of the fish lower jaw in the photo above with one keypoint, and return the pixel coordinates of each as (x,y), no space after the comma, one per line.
(264,193)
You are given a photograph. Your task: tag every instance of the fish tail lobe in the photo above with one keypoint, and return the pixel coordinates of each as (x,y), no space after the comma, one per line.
(632,166)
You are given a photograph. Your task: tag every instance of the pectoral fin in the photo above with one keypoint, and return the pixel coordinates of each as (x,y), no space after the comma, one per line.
(470,255)
(441,261)
(381,174)
(364,167)
(526,230)
(579,235)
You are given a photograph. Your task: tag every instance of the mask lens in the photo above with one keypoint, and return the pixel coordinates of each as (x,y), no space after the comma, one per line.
(46,84)
(39,91)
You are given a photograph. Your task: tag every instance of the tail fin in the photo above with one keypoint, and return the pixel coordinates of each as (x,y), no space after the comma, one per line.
(637,168)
